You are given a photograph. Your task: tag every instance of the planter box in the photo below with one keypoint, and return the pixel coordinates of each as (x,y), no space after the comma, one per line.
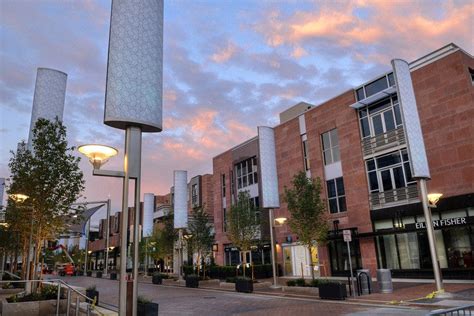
(157,279)
(93,294)
(244,286)
(33,308)
(113,276)
(333,291)
(98,274)
(192,282)
(148,309)
(89,273)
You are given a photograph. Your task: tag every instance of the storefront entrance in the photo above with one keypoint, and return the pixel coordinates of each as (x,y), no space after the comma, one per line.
(297,261)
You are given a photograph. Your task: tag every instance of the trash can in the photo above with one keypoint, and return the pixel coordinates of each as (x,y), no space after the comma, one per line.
(384,279)
(364,280)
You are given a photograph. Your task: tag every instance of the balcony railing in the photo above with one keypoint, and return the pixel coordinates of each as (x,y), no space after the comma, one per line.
(398,196)
(376,144)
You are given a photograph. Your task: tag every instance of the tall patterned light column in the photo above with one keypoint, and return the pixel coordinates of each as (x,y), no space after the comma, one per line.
(133,102)
(148,210)
(180,210)
(269,183)
(48,100)
(417,152)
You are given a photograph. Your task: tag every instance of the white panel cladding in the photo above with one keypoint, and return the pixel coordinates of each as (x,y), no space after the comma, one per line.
(411,120)
(48,101)
(224,202)
(180,199)
(333,171)
(134,85)
(148,211)
(268,167)
(302,124)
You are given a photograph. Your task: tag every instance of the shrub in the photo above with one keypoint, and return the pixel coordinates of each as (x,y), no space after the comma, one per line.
(143,300)
(49,292)
(230,279)
(291,283)
(318,282)
(91,288)
(300,282)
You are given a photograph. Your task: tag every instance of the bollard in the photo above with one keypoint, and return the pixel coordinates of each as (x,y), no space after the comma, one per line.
(384,279)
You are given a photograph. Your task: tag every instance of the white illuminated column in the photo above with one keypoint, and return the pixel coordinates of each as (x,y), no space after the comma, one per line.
(148,210)
(180,210)
(269,183)
(48,100)
(416,151)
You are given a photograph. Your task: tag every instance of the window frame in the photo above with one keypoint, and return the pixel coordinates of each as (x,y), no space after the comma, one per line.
(337,197)
(332,148)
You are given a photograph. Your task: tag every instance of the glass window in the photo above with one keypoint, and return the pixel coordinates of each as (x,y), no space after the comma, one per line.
(388,160)
(408,251)
(389,121)
(365,127)
(377,124)
(398,115)
(376,86)
(360,94)
(383,117)
(336,195)
(391,79)
(379,106)
(387,249)
(386,180)
(304,143)
(339,256)
(373,182)
(247,172)
(223,185)
(398,177)
(330,147)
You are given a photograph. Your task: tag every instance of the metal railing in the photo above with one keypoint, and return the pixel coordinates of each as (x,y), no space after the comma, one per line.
(461,310)
(375,144)
(90,302)
(392,197)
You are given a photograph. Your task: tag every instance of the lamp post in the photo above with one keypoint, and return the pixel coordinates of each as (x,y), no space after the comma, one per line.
(429,201)
(20,198)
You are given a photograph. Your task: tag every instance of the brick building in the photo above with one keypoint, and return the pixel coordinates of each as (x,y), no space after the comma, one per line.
(356,144)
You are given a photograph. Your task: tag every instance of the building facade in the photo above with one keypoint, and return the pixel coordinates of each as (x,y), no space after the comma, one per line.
(356,145)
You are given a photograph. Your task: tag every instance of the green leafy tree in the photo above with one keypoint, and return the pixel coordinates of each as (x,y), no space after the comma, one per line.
(50,176)
(243,225)
(201,233)
(162,241)
(307,210)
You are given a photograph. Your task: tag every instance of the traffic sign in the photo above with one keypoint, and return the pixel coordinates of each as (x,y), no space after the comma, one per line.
(346,233)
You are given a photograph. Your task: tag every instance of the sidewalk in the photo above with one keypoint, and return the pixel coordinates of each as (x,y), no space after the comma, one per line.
(404,293)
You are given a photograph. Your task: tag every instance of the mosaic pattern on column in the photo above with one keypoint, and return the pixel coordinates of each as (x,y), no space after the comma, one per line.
(148,210)
(411,119)
(135,65)
(180,199)
(268,167)
(48,101)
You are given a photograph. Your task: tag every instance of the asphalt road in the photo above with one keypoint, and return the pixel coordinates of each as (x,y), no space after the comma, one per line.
(175,300)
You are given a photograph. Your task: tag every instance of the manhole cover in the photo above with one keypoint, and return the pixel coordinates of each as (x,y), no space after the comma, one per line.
(209,297)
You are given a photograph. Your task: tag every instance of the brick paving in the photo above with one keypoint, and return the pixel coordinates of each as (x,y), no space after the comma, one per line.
(176,300)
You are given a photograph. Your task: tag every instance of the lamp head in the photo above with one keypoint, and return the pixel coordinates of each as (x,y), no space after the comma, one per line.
(19,198)
(279,221)
(433,198)
(97,154)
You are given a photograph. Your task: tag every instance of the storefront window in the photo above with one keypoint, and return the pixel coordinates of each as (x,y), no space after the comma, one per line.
(387,249)
(459,245)
(408,251)
(339,256)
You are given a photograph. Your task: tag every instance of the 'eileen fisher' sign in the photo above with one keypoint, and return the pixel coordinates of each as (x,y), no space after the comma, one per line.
(443,222)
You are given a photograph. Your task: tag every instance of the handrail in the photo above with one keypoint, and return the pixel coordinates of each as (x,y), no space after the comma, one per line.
(11,274)
(454,309)
(359,282)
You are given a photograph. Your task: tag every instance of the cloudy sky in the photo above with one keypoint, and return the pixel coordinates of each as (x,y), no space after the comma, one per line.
(228,67)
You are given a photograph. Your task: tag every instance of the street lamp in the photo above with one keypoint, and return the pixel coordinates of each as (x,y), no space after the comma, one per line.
(98,154)
(279,221)
(433,199)
(19,198)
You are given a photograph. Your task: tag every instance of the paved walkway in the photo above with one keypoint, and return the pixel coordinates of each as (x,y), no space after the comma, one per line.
(178,300)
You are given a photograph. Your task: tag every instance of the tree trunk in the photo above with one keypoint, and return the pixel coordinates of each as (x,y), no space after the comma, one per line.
(311,262)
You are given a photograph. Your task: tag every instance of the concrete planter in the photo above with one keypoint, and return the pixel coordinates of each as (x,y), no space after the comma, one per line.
(333,291)
(98,274)
(93,294)
(192,281)
(113,276)
(244,285)
(157,279)
(147,309)
(36,308)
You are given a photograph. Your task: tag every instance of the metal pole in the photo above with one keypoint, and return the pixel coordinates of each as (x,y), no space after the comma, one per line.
(350,267)
(124,228)
(87,244)
(58,298)
(138,156)
(180,254)
(431,237)
(272,241)
(107,232)
(3,264)
(28,284)
(146,257)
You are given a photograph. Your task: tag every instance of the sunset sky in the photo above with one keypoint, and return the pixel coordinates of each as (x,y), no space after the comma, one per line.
(228,67)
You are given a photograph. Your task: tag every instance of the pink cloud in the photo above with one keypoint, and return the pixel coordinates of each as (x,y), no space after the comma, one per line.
(225,53)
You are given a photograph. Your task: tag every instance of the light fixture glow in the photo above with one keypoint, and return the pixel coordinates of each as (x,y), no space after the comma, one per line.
(433,198)
(97,154)
(20,198)
(280,221)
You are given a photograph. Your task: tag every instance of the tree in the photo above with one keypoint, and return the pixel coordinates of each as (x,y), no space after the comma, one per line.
(163,240)
(307,211)
(201,233)
(50,176)
(243,227)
